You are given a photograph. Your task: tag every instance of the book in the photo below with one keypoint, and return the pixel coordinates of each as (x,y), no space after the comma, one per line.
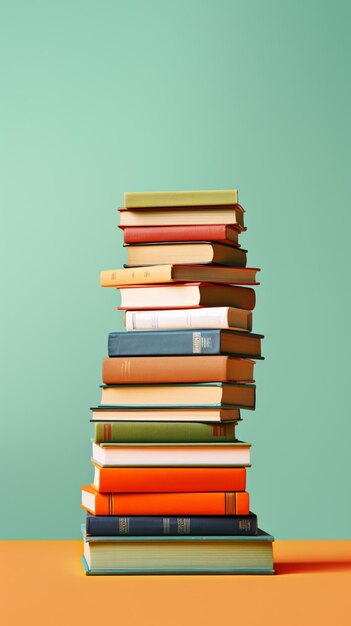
(233,454)
(185,342)
(186,554)
(158,432)
(143,199)
(168,479)
(204,252)
(139,525)
(191,216)
(186,296)
(202,232)
(165,414)
(168,273)
(186,503)
(163,479)
(172,319)
(125,370)
(204,394)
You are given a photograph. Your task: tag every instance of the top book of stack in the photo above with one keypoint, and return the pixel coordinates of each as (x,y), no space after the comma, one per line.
(160,199)
(182,208)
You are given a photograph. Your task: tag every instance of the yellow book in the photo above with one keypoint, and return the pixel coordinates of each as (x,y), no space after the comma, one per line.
(155,199)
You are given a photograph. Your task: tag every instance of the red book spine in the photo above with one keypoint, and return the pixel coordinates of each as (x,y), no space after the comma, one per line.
(146,234)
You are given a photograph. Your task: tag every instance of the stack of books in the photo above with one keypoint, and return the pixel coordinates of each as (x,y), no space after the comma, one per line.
(169,490)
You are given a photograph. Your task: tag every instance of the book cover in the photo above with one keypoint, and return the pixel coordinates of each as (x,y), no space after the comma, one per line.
(159,199)
(174,503)
(184,342)
(152,432)
(115,525)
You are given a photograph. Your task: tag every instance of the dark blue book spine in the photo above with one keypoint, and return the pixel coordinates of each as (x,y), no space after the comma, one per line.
(100,525)
(162,342)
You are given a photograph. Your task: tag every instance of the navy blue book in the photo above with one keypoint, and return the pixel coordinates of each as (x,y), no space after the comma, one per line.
(184,342)
(111,525)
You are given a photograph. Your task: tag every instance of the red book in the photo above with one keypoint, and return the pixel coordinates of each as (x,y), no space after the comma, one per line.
(201,232)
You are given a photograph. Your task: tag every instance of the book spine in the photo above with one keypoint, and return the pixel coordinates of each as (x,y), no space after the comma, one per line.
(151,525)
(165,369)
(164,342)
(168,432)
(136,276)
(150,234)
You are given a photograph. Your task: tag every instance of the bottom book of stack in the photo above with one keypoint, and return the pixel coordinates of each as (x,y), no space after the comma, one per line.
(177,554)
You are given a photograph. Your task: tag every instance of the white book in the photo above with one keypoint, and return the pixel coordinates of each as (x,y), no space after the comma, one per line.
(171,319)
(163,455)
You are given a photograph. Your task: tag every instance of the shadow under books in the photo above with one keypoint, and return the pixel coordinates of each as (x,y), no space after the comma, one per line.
(312,567)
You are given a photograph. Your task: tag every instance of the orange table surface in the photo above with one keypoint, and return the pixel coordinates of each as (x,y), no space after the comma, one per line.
(42,582)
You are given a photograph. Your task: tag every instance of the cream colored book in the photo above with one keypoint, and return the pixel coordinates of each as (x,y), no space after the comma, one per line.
(154,274)
(155,199)
(181,216)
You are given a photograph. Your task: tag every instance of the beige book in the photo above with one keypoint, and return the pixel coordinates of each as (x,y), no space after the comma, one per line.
(154,274)
(231,215)
(156,254)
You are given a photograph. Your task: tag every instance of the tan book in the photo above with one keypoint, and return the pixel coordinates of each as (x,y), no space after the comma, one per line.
(186,296)
(165,414)
(145,199)
(127,370)
(156,254)
(175,395)
(155,274)
(233,215)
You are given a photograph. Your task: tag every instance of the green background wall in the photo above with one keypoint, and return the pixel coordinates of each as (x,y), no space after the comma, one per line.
(103,97)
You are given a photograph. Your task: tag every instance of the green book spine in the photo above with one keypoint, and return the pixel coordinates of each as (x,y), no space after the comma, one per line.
(163,432)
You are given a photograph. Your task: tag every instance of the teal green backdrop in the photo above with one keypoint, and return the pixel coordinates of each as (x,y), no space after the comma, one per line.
(104,97)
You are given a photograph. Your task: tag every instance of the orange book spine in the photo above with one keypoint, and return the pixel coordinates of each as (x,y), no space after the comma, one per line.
(169,479)
(164,369)
(171,504)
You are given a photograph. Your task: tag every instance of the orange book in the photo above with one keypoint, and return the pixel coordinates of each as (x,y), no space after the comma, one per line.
(175,369)
(215,503)
(166,479)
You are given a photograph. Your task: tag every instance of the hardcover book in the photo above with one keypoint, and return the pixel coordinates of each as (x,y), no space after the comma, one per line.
(179,554)
(194,503)
(154,199)
(196,252)
(186,296)
(183,319)
(183,216)
(158,432)
(203,232)
(165,414)
(139,525)
(204,394)
(233,454)
(185,342)
(168,479)
(168,273)
(119,370)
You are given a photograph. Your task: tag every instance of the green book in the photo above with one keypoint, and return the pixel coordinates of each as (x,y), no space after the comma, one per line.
(163,432)
(119,555)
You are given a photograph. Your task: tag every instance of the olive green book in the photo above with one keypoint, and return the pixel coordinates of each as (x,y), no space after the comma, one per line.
(156,199)
(163,432)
